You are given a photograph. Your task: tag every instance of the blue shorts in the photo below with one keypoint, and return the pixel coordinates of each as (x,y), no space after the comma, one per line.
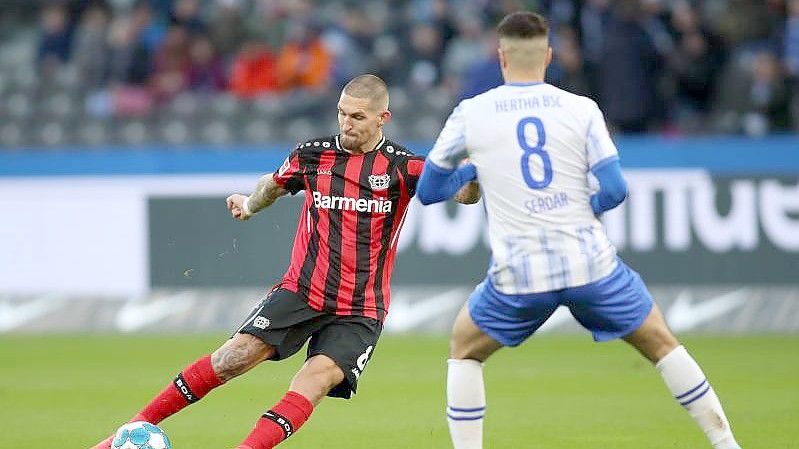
(611,307)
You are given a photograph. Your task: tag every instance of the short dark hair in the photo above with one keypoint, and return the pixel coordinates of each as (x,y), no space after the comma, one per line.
(523,25)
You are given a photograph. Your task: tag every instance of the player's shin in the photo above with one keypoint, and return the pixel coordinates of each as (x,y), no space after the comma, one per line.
(189,386)
(279,423)
(691,389)
(466,403)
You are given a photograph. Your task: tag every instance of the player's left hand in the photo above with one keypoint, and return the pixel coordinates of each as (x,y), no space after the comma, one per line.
(235,204)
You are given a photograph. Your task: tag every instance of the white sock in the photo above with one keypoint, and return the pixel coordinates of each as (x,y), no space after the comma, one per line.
(466,403)
(691,389)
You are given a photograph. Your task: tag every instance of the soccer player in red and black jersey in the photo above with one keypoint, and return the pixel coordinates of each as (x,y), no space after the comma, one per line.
(357,185)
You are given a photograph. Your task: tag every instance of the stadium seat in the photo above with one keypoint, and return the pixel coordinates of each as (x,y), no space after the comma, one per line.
(94,133)
(11,135)
(216,132)
(135,132)
(258,132)
(175,132)
(52,134)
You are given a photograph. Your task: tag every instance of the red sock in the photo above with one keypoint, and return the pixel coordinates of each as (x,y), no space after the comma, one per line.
(194,382)
(279,423)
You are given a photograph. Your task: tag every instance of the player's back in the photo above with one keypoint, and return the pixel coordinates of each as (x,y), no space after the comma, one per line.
(533,146)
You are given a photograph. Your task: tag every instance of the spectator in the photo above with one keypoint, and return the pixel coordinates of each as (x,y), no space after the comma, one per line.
(745,22)
(425,56)
(188,15)
(150,31)
(694,76)
(91,50)
(791,49)
(254,71)
(791,38)
(227,29)
(484,75)
(130,60)
(207,72)
(595,18)
(464,51)
(172,64)
(304,61)
(754,98)
(350,41)
(628,71)
(570,63)
(55,40)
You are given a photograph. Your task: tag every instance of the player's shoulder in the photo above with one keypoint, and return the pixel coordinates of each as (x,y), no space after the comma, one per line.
(403,157)
(488,95)
(579,102)
(394,150)
(316,144)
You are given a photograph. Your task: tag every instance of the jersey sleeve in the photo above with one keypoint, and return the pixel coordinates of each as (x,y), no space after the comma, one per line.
(413,170)
(290,174)
(450,147)
(599,146)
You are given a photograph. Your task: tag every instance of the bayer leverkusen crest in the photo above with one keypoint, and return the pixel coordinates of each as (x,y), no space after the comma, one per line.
(379,182)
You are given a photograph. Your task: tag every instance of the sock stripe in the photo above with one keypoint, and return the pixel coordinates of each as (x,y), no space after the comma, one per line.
(281,421)
(692,390)
(466,410)
(704,392)
(183,387)
(464,418)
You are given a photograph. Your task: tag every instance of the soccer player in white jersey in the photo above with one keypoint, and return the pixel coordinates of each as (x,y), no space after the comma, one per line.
(533,148)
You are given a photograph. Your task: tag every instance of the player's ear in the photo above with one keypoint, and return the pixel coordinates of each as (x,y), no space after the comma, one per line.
(549,56)
(385,117)
(503,63)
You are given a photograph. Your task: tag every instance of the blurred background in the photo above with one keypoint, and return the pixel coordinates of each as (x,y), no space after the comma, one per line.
(125,123)
(100,72)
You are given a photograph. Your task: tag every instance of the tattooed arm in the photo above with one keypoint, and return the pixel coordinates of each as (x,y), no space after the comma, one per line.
(468,194)
(265,193)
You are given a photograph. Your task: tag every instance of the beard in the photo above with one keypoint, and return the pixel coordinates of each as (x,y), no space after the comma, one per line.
(350,142)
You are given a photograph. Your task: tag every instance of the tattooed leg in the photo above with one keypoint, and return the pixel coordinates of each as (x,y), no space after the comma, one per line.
(239,355)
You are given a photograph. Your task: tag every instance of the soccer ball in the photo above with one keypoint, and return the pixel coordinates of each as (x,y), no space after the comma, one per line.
(140,435)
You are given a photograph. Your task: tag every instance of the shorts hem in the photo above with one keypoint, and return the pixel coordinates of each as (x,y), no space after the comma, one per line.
(490,332)
(266,340)
(608,336)
(335,392)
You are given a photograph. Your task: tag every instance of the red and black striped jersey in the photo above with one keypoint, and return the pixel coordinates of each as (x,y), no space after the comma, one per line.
(347,235)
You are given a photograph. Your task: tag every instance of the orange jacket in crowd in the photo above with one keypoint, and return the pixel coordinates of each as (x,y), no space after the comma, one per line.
(304,65)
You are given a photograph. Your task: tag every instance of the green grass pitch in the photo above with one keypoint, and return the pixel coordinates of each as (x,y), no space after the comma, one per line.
(554,392)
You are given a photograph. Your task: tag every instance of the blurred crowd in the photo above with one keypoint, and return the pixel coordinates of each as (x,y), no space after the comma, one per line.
(657,66)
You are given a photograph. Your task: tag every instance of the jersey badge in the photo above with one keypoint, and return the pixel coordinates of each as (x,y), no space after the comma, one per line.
(379,182)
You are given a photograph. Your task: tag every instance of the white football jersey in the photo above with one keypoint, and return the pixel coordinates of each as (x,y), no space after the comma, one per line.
(534,146)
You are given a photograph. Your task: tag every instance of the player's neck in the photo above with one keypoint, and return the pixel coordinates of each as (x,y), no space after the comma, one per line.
(523,77)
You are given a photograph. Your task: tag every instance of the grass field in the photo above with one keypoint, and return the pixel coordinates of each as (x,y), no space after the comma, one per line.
(553,393)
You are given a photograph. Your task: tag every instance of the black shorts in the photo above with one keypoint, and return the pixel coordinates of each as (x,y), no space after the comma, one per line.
(283,320)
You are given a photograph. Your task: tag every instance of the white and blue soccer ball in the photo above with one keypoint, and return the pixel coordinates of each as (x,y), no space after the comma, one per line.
(140,435)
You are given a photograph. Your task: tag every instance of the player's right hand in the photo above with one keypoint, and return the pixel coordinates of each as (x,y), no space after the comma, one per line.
(235,204)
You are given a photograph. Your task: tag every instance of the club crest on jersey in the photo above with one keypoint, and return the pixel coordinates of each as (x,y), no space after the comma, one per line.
(379,182)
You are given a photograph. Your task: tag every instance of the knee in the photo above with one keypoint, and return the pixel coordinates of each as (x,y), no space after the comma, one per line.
(459,347)
(661,339)
(664,343)
(319,375)
(655,343)
(327,373)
